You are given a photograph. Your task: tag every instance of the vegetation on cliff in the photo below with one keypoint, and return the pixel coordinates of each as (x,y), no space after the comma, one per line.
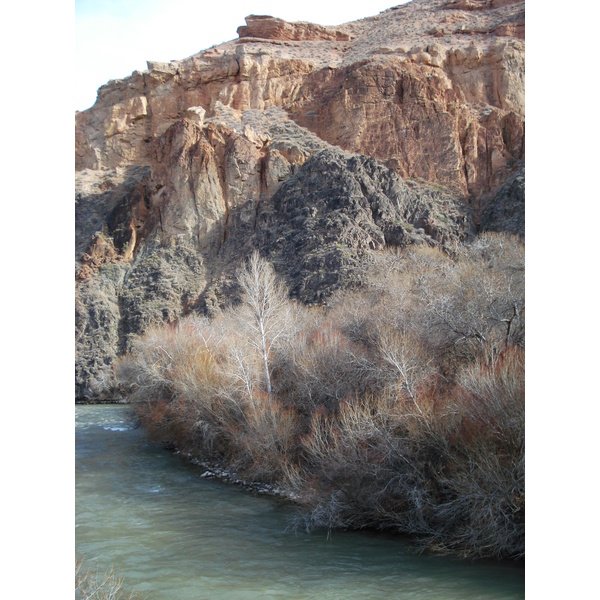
(369,360)
(399,406)
(315,145)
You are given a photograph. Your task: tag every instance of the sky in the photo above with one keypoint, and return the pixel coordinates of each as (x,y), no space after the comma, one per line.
(113,38)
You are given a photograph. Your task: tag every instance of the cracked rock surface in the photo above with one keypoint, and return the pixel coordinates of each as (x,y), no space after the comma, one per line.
(316,145)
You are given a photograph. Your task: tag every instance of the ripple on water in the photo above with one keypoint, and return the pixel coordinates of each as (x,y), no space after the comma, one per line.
(177,535)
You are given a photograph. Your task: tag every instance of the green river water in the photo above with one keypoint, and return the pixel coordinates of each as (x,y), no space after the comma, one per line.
(177,536)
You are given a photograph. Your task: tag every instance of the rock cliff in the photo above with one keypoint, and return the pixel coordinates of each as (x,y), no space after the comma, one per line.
(315,144)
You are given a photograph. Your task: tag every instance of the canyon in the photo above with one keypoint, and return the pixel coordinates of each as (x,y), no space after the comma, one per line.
(315,145)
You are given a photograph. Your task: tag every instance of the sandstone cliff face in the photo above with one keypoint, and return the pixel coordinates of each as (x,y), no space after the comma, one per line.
(315,144)
(434,88)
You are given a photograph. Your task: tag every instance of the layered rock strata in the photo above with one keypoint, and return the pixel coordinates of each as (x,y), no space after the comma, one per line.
(433,88)
(316,145)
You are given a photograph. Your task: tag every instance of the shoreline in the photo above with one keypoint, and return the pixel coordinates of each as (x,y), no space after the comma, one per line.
(212,470)
(219,471)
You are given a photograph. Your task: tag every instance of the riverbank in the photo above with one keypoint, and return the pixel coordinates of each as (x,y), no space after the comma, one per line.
(210,470)
(398,408)
(174,534)
(222,473)
(92,401)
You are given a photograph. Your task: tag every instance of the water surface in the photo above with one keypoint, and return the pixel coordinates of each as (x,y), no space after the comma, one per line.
(177,536)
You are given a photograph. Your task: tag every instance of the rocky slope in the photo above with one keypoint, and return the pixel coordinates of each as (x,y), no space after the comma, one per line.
(315,144)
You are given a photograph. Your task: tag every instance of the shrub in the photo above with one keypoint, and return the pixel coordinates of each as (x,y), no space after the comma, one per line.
(100,585)
(362,468)
(322,368)
(481,437)
(400,406)
(268,442)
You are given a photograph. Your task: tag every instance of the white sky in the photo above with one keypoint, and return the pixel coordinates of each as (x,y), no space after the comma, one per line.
(115,37)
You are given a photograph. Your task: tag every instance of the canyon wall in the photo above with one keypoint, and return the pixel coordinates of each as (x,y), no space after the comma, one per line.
(317,145)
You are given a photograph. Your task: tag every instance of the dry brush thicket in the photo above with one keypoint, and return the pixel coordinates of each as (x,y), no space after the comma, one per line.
(399,406)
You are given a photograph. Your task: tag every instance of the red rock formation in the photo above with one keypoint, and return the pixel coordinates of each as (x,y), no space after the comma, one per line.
(186,167)
(270,28)
(433,88)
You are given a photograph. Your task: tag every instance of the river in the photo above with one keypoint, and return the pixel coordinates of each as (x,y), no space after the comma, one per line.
(177,536)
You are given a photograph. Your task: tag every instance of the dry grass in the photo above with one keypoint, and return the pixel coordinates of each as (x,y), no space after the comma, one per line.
(97,585)
(401,407)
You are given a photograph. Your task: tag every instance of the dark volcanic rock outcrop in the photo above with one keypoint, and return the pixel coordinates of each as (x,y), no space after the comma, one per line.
(317,145)
(506,209)
(337,208)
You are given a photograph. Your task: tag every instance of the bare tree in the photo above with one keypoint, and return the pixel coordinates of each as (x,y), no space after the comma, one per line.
(265,315)
(405,360)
